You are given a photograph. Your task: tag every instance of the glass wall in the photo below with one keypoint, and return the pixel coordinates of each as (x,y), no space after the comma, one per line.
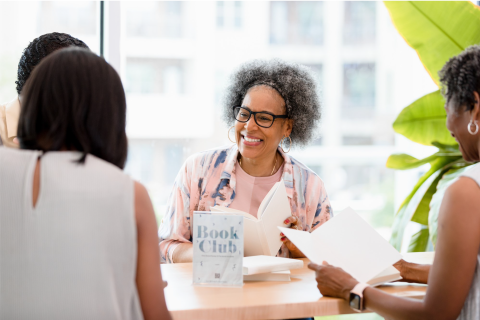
(23,21)
(176,75)
(176,59)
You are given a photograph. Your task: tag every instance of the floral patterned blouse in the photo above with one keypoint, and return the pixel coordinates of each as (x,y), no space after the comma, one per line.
(208,179)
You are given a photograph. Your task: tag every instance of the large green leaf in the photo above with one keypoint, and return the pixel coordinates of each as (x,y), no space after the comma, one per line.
(437,30)
(424,121)
(402,161)
(421,213)
(435,166)
(419,241)
(407,209)
(412,201)
(448,178)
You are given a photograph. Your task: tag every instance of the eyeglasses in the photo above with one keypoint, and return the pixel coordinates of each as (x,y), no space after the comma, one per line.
(263,119)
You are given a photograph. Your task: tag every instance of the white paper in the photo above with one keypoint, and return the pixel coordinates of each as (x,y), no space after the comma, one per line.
(349,242)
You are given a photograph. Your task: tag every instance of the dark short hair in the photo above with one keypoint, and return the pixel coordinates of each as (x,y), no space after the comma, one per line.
(38,49)
(460,77)
(74,100)
(295,84)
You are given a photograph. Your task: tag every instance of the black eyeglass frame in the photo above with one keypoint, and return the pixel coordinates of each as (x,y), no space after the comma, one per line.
(255,116)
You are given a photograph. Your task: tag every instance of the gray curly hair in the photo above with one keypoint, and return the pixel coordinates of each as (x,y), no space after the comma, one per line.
(293,82)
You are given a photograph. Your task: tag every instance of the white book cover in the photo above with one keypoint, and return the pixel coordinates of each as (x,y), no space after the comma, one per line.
(264,264)
(217,250)
(269,276)
(261,233)
(349,242)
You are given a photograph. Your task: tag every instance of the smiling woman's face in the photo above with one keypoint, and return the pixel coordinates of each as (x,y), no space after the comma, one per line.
(255,142)
(457,124)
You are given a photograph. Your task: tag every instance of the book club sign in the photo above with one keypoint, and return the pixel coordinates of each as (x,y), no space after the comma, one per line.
(217,249)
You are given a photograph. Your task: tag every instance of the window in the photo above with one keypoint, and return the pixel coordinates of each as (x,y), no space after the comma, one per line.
(359,22)
(358,89)
(176,59)
(160,76)
(299,23)
(356,140)
(229,14)
(154,19)
(77,18)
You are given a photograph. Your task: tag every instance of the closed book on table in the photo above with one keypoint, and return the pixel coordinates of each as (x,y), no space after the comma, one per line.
(270,276)
(264,264)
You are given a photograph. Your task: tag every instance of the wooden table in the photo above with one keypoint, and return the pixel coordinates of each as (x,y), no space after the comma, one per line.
(259,300)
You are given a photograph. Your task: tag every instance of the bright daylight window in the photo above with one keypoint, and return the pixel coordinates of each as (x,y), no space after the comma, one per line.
(175,60)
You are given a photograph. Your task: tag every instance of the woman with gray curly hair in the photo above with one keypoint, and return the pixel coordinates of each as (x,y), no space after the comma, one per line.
(272,106)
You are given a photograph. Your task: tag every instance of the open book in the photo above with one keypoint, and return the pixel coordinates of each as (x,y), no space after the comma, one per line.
(261,234)
(349,242)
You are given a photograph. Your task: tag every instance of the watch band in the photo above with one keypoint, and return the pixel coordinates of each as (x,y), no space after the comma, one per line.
(359,288)
(356,301)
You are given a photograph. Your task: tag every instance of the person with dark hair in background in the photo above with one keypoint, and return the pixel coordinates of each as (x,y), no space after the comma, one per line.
(38,49)
(77,235)
(454,277)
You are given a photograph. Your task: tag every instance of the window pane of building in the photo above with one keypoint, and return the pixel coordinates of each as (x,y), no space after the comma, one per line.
(154,19)
(358,89)
(359,22)
(296,22)
(21,22)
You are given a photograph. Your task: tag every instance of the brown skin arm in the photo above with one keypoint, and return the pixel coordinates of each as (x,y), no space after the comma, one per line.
(149,278)
(183,253)
(412,272)
(296,253)
(450,276)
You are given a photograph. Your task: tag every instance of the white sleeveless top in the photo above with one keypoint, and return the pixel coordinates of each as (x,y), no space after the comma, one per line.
(74,255)
(471,308)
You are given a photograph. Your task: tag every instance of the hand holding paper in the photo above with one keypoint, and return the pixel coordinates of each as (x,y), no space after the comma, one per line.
(348,242)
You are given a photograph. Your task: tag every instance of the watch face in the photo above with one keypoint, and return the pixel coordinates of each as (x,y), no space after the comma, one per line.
(355,301)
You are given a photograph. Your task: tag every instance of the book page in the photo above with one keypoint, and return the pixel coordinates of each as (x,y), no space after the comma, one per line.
(225,210)
(266,200)
(277,210)
(349,242)
(253,238)
(387,275)
(357,247)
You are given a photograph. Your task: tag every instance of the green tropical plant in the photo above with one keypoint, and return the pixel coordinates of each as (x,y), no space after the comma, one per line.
(437,31)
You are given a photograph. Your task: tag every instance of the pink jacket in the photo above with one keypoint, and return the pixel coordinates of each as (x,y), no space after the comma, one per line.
(208,179)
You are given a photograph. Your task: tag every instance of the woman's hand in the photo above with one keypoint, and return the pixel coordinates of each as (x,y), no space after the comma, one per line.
(333,281)
(412,272)
(293,222)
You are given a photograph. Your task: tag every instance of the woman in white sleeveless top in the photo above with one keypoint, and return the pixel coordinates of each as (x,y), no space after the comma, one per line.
(454,278)
(77,236)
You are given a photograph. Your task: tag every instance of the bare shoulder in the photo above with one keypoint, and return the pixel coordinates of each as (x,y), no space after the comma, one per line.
(464,189)
(143,205)
(462,198)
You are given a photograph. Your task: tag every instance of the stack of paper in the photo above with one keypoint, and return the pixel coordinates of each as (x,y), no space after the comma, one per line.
(267,268)
(261,233)
(349,242)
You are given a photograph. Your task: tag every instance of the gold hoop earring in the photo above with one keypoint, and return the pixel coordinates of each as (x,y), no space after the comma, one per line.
(289,146)
(228,135)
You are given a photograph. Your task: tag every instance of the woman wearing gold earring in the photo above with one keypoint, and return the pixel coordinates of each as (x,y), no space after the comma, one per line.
(272,107)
